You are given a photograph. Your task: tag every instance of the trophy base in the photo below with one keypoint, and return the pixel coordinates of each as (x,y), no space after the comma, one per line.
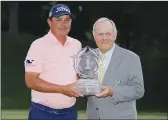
(89,90)
(88,87)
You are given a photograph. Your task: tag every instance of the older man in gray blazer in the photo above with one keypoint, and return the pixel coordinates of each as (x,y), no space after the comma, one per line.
(119,72)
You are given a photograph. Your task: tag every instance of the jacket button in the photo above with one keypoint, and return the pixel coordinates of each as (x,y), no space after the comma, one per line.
(97,108)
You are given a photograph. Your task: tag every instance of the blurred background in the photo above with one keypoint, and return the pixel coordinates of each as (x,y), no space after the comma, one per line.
(142,28)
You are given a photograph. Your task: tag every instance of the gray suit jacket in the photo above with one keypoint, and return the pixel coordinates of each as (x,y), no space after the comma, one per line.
(124,75)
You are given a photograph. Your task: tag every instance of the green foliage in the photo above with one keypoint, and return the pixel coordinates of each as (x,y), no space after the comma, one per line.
(14,50)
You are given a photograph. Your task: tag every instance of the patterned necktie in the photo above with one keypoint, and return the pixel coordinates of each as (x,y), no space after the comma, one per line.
(101,69)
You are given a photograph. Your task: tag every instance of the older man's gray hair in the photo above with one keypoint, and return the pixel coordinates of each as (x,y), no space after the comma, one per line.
(104,19)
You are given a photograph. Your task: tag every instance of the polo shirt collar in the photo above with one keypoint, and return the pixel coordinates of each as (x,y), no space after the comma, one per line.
(54,39)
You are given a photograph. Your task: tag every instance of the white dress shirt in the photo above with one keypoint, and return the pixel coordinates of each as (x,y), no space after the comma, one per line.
(107,57)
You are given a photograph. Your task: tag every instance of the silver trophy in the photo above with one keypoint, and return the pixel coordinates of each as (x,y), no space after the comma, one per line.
(86,66)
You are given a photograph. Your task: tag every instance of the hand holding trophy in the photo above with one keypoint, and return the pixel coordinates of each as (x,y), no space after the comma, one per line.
(86,66)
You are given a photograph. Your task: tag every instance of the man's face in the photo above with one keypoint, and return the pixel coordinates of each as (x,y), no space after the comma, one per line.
(104,35)
(60,25)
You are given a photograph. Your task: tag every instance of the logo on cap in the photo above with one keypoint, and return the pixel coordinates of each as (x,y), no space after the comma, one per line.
(59,10)
(62,9)
(50,14)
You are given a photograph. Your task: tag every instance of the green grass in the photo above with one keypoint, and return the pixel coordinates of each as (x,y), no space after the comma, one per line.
(22,114)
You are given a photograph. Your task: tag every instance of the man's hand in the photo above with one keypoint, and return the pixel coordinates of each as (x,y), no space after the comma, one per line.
(71,91)
(106,91)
